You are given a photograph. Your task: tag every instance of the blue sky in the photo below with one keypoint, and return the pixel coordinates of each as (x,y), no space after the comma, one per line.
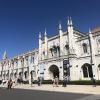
(22,20)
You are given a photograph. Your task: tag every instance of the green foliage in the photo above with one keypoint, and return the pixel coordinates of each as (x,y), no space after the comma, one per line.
(78,82)
(44,82)
(83,82)
(47,82)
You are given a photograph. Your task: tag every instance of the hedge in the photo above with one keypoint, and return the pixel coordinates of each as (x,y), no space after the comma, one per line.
(78,82)
(82,82)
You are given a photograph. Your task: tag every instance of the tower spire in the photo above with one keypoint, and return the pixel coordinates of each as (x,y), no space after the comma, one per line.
(60,26)
(45,33)
(71,23)
(68,21)
(5,55)
(89,30)
(40,35)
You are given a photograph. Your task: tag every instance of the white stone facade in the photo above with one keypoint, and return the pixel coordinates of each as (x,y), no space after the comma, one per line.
(70,53)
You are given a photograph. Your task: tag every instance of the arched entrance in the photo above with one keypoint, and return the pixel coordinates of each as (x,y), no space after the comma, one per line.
(87,70)
(54,70)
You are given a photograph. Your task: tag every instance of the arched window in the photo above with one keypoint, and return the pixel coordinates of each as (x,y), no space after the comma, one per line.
(54,51)
(84,47)
(51,51)
(87,70)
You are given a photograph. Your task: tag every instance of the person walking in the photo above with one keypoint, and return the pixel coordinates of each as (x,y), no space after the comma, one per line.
(65,81)
(93,81)
(10,83)
(32,80)
(39,81)
(53,81)
(56,81)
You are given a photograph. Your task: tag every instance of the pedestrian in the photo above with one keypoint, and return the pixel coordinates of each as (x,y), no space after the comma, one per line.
(10,83)
(53,81)
(39,81)
(32,80)
(93,81)
(56,81)
(65,81)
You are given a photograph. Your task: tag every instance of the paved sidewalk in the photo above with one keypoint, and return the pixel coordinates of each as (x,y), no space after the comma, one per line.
(85,89)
